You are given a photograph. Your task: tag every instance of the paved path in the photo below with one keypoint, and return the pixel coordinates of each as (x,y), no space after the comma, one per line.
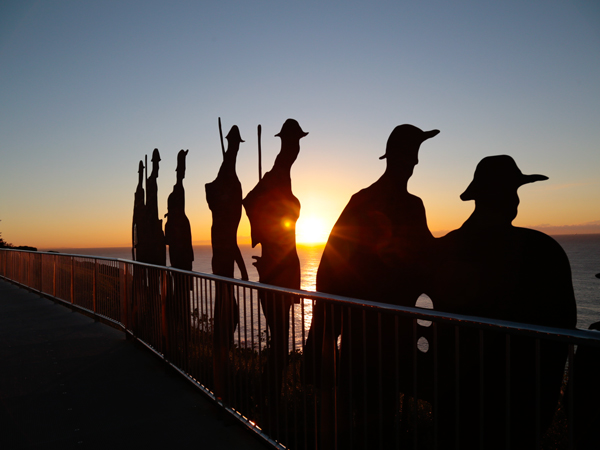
(69,382)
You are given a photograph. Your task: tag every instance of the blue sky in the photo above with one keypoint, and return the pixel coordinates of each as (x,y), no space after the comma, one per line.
(88,88)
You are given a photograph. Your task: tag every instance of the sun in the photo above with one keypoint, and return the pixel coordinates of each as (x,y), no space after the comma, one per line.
(311,230)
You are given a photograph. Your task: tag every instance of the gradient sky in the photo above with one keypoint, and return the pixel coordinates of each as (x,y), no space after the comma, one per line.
(87,88)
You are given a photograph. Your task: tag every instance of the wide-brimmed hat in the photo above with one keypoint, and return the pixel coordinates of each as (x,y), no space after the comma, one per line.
(406,134)
(497,174)
(291,128)
(234,134)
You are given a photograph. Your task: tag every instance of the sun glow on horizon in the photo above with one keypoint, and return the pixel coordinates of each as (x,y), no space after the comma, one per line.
(311,230)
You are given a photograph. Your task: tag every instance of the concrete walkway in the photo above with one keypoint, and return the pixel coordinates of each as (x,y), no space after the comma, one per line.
(69,382)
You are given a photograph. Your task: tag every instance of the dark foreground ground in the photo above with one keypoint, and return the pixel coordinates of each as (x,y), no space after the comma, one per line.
(69,382)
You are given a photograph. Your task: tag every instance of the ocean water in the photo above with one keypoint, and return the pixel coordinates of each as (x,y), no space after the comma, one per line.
(583,252)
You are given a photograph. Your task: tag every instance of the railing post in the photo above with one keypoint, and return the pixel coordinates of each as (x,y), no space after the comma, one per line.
(72,280)
(42,273)
(123,286)
(163,303)
(54,276)
(95,288)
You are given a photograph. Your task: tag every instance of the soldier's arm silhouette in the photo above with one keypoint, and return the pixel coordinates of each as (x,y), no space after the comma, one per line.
(239,259)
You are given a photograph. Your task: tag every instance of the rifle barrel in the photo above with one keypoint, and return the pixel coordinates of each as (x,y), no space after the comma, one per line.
(259,154)
(221,136)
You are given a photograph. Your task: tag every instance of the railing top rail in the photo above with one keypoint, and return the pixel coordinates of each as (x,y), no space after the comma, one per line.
(574,336)
(105,258)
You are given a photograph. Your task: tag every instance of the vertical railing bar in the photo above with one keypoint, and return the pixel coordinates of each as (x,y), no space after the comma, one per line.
(54,257)
(41,269)
(122,268)
(538,425)
(293,368)
(264,366)
(231,361)
(279,380)
(571,381)
(246,353)
(192,330)
(254,361)
(397,387)
(481,390)
(238,356)
(184,310)
(364,387)
(315,407)
(198,332)
(199,344)
(414,384)
(203,328)
(72,280)
(187,316)
(303,375)
(457,386)
(380,387)
(349,414)
(95,287)
(210,285)
(507,387)
(435,386)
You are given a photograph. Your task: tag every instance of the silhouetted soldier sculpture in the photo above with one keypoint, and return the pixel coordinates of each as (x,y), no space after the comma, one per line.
(157,251)
(273,211)
(138,237)
(492,269)
(139,249)
(376,251)
(178,236)
(178,233)
(224,197)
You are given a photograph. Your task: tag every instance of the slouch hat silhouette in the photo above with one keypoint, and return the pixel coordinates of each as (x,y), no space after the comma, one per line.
(497,174)
(404,135)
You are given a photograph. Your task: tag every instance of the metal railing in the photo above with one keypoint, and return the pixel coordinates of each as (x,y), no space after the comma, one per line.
(405,377)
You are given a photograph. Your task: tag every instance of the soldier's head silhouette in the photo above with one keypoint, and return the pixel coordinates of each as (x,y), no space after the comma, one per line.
(181,164)
(234,135)
(140,172)
(290,135)
(155,160)
(291,130)
(495,184)
(404,142)
(402,149)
